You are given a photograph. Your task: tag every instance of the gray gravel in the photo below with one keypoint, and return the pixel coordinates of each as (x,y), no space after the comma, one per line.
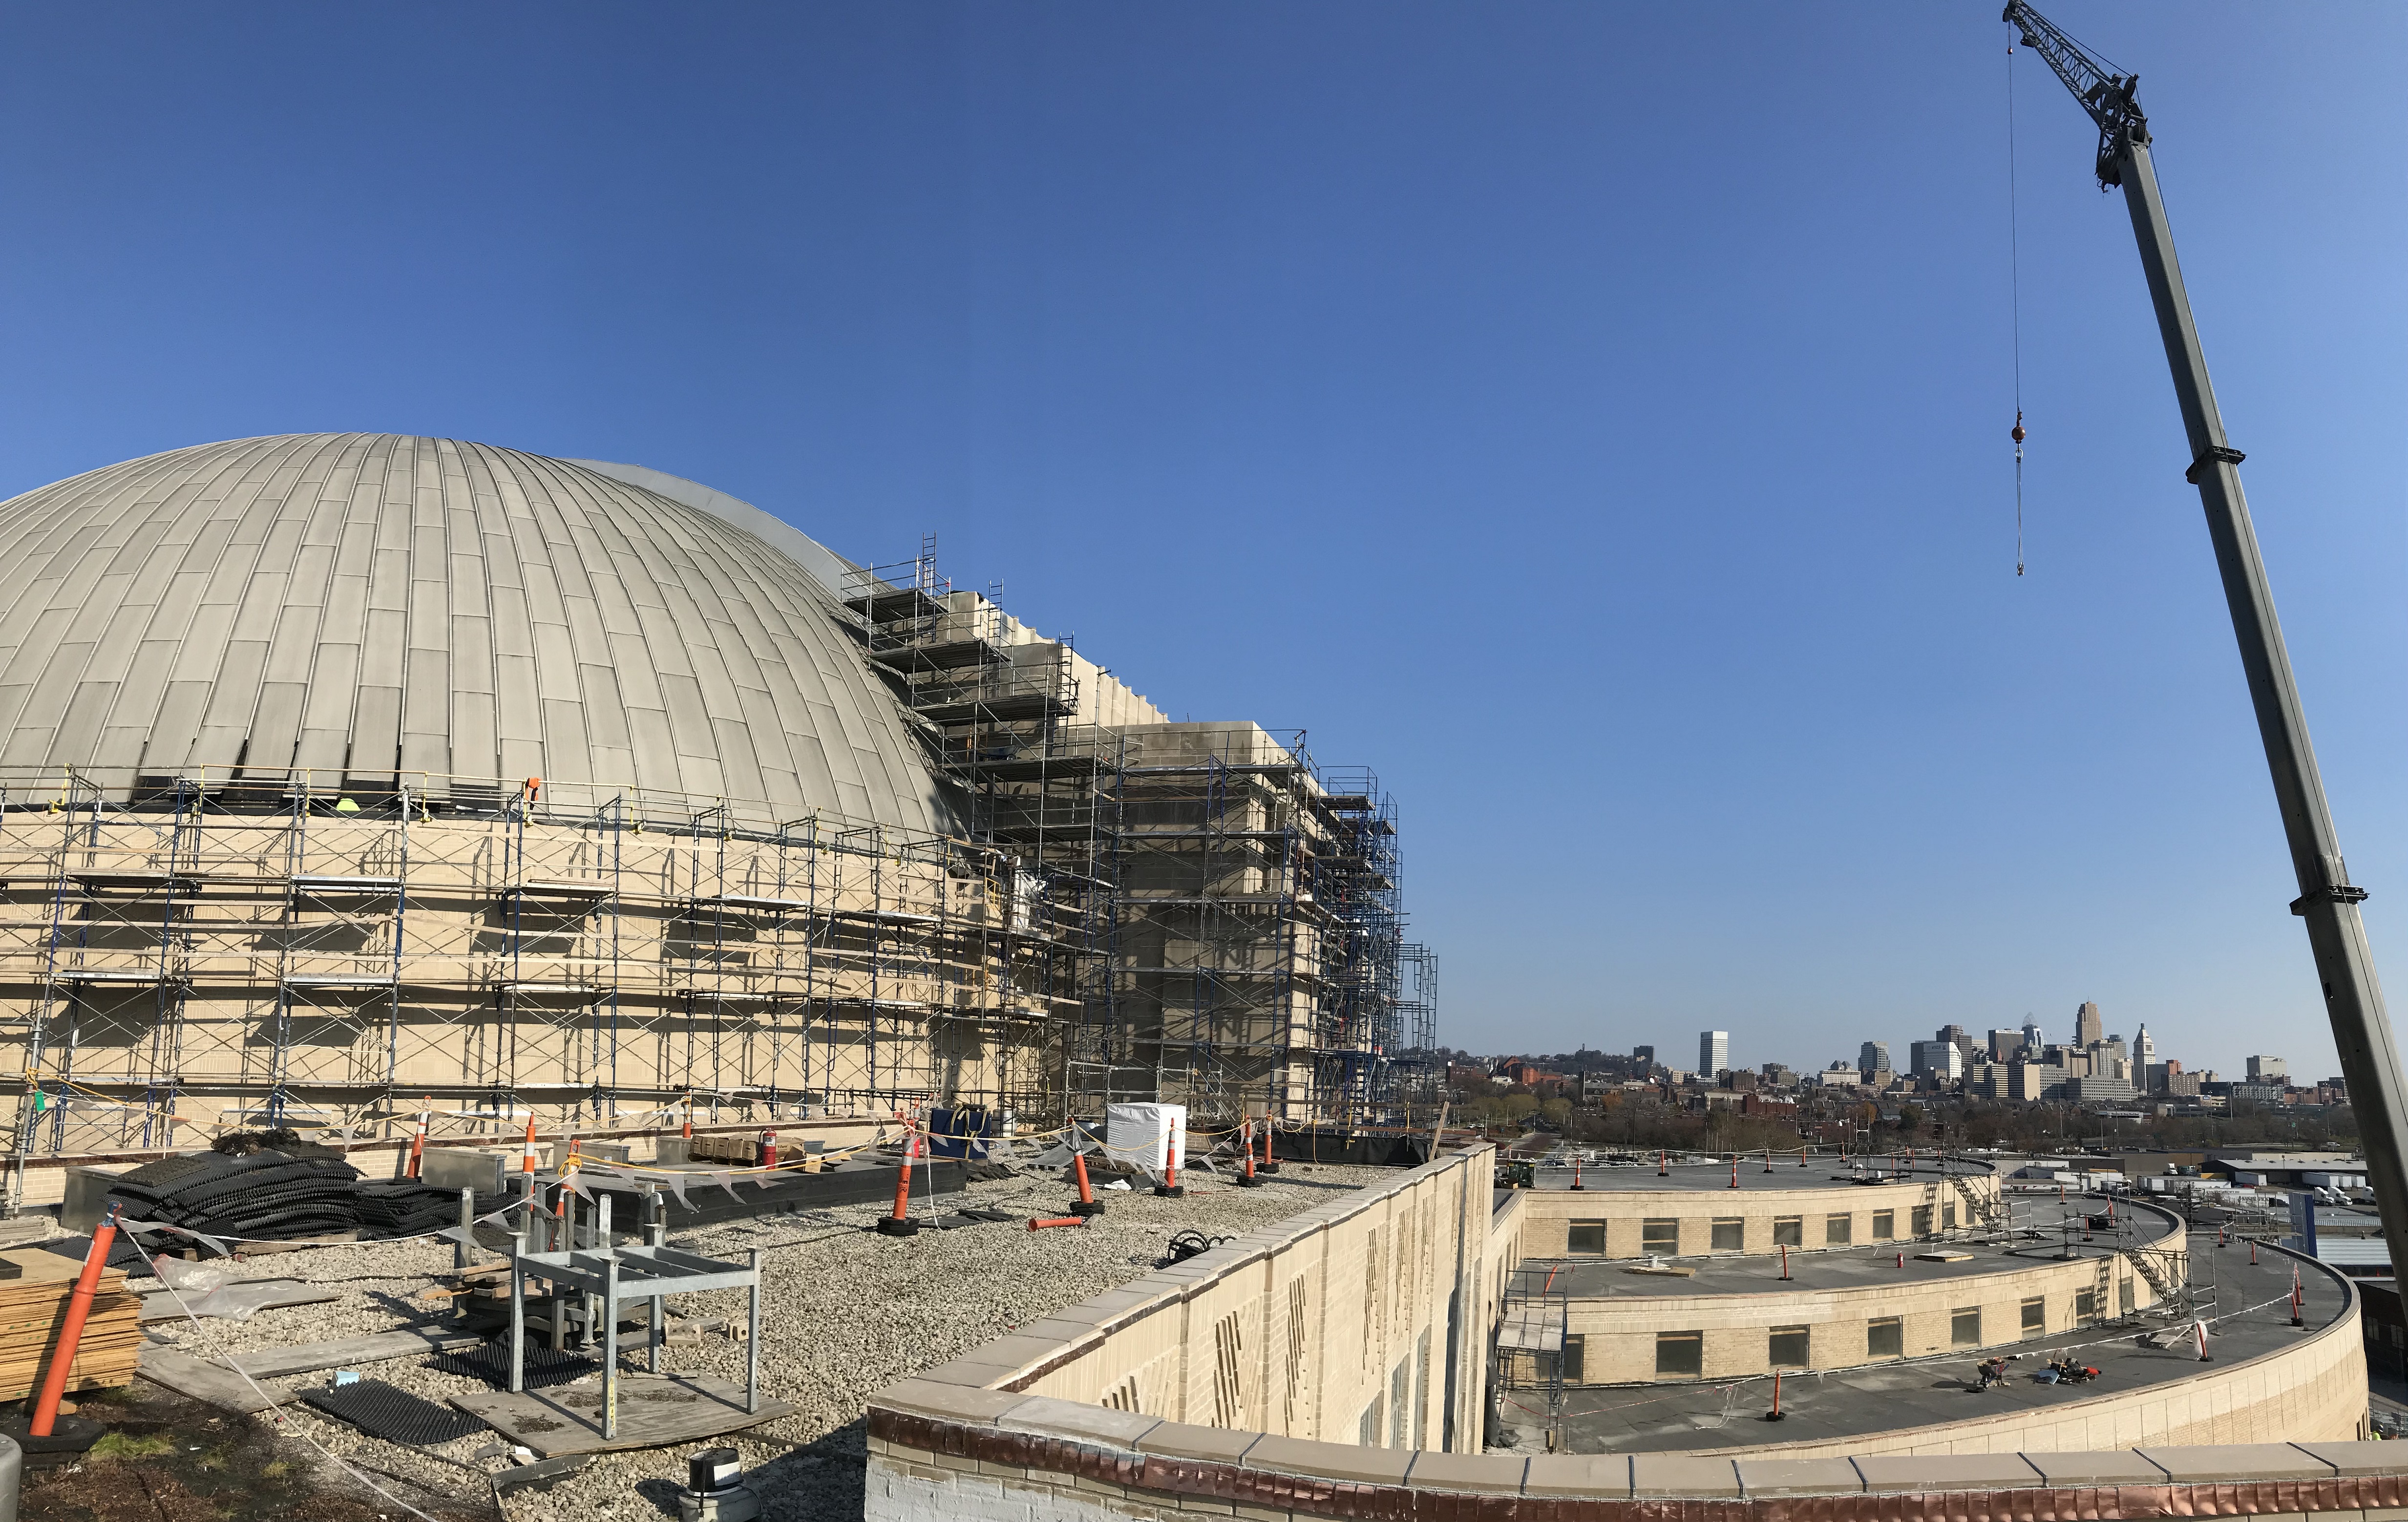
(845,1312)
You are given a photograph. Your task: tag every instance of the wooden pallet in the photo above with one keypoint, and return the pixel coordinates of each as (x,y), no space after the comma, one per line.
(655,1411)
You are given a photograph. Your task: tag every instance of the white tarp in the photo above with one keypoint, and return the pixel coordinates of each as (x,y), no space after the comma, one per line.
(1146,1135)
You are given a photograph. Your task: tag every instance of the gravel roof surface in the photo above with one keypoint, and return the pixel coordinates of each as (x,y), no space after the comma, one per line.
(845,1312)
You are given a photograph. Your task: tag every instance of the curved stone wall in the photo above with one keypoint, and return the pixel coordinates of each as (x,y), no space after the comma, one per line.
(1867,1212)
(1128,1407)
(1619,1332)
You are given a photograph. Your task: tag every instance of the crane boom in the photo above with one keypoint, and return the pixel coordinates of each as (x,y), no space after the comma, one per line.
(2328,901)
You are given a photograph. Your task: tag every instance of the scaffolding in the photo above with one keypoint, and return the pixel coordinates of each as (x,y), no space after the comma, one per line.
(1229,912)
(1128,911)
(233,949)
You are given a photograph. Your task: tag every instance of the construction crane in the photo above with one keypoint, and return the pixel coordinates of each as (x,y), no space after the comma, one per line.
(2370,1060)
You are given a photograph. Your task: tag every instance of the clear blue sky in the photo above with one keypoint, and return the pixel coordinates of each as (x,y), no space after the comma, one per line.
(1592,416)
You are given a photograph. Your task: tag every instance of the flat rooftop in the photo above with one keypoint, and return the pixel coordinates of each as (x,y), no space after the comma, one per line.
(2250,1318)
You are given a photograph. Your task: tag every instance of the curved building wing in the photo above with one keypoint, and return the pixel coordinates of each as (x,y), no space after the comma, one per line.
(363,607)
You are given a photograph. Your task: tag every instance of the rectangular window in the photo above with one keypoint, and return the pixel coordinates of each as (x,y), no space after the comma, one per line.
(2035,1318)
(1885,1337)
(1401,1389)
(1838,1231)
(1885,1225)
(1948,1214)
(1789,1348)
(1681,1353)
(1729,1234)
(1366,1432)
(1965,1327)
(1587,1237)
(1575,1358)
(2086,1304)
(2124,1292)
(1789,1231)
(1921,1221)
(1660,1236)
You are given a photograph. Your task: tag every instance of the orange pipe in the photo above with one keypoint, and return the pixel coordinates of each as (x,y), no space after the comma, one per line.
(1041,1222)
(55,1380)
(903,1178)
(418,1142)
(1086,1190)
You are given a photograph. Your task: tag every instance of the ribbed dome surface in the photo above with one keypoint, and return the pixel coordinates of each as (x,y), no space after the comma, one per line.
(367,603)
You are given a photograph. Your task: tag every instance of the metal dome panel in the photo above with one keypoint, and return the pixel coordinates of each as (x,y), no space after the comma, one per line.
(363,606)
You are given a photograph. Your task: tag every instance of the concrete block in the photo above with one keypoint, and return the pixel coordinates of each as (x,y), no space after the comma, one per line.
(1346,1461)
(1078,1422)
(1578,1474)
(462,1168)
(2112,1466)
(924,1397)
(1895,1473)
(2361,1458)
(2226,1463)
(1765,1477)
(1182,1440)
(1682,1476)
(87,1191)
(1488,1473)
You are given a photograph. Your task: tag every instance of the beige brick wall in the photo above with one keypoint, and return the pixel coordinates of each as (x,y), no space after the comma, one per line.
(1619,1333)
(1323,1320)
(1548,1214)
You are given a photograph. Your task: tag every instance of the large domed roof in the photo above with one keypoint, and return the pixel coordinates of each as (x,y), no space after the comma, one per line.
(363,605)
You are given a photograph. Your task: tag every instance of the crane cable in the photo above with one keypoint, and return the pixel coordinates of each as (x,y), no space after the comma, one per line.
(2015,302)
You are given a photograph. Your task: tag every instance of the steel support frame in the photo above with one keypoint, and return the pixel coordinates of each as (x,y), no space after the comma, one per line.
(2369,1058)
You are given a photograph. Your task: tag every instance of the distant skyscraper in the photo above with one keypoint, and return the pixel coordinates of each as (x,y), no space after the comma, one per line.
(1714,1052)
(2269,1070)
(2087,1025)
(2005,1043)
(2145,1048)
(1873,1057)
(2032,1039)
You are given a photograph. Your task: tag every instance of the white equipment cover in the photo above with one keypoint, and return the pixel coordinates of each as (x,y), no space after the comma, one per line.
(1146,1135)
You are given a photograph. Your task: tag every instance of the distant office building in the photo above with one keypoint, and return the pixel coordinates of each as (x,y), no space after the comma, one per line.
(1873,1057)
(1642,1053)
(1713,1051)
(2031,1082)
(2269,1070)
(2144,1048)
(2033,1040)
(2088,1029)
(2005,1045)
(1940,1058)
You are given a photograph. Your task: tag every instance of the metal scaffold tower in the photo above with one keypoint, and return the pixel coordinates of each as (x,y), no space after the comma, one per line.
(1226,913)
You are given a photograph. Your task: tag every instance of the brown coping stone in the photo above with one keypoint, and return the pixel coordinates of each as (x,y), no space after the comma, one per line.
(2361,1458)
(1078,1421)
(1759,1477)
(2115,1466)
(1345,1461)
(952,1402)
(2227,1462)
(1895,1473)
(1578,1474)
(1684,1475)
(1494,1474)
(1182,1440)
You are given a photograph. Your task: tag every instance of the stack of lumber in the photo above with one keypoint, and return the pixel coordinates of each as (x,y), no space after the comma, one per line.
(33,1306)
(744,1151)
